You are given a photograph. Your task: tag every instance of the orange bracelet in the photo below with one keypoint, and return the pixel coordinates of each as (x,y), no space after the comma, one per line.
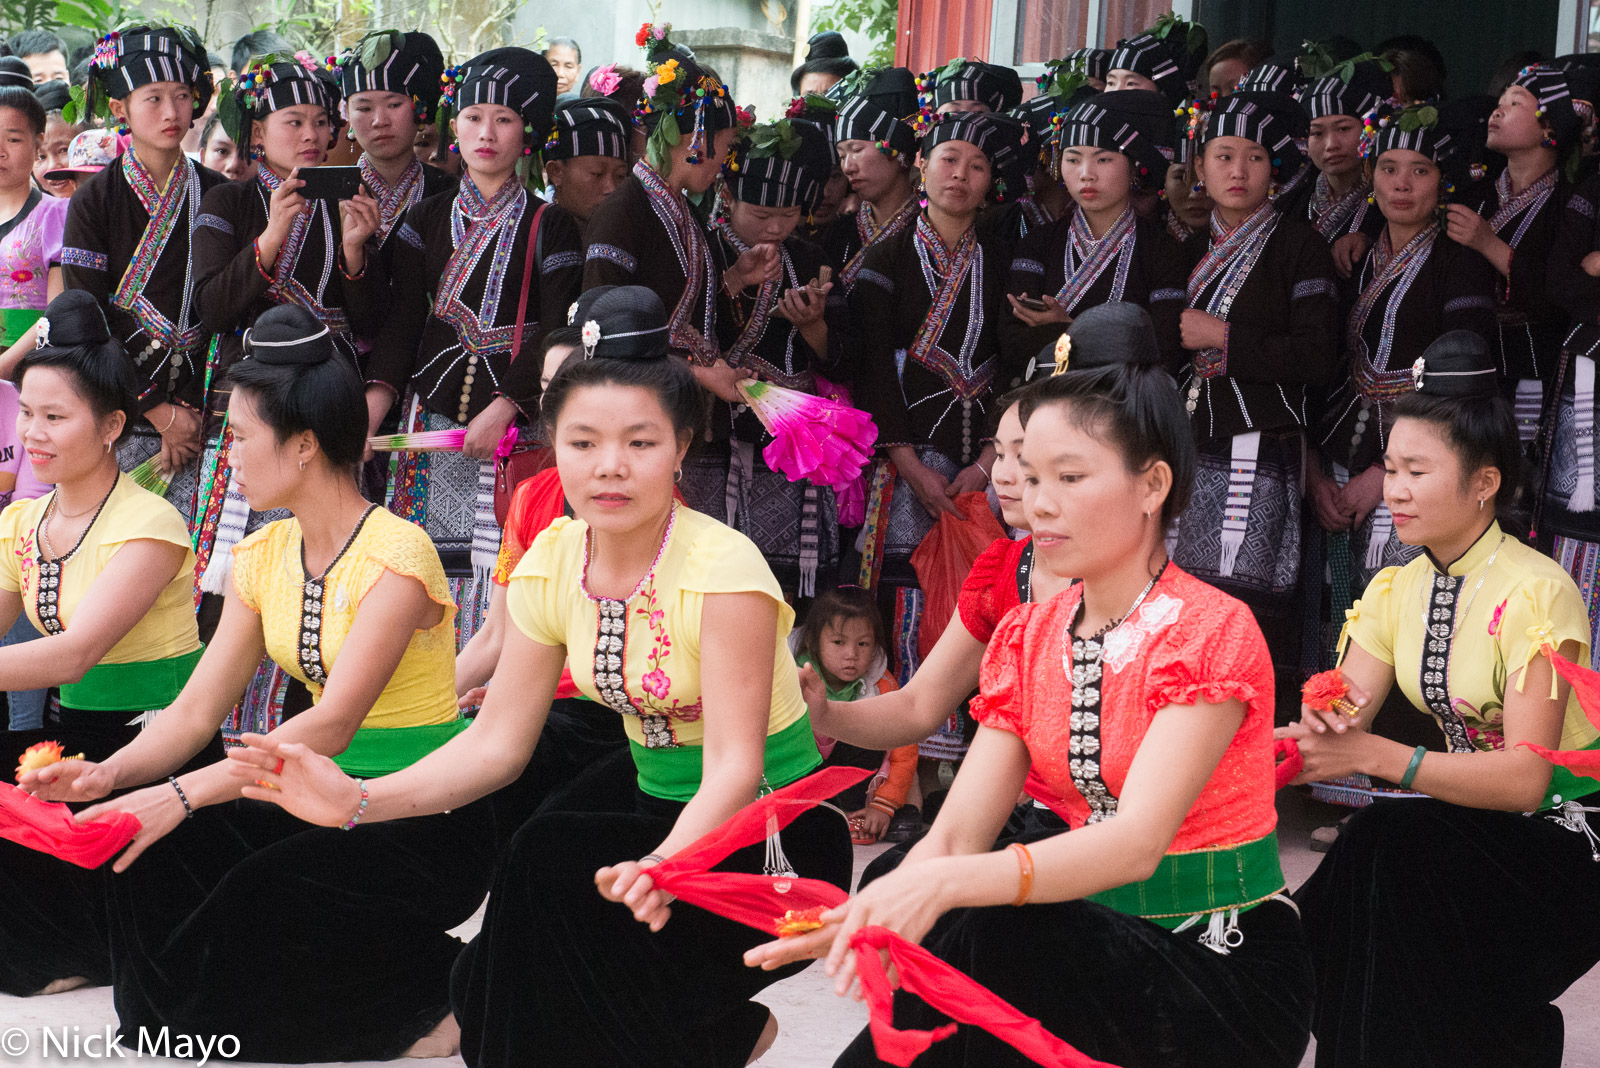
(1024,872)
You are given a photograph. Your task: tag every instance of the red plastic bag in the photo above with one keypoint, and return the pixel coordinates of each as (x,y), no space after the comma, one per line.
(48,827)
(945,558)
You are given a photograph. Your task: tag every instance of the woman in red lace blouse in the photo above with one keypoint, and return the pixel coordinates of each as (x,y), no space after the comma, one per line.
(1162,936)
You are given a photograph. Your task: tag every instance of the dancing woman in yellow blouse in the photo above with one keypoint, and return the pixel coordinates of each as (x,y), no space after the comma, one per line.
(104,570)
(675,622)
(352,601)
(1483,893)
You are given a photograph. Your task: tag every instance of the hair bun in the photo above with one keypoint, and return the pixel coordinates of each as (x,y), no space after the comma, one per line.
(288,334)
(74,319)
(623,323)
(829,44)
(1116,332)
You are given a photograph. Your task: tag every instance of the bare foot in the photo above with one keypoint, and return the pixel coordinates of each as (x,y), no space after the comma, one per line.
(61,986)
(769,1035)
(442,1041)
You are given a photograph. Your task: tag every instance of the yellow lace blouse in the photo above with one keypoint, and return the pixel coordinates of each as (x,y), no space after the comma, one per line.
(1454,643)
(304,633)
(131,513)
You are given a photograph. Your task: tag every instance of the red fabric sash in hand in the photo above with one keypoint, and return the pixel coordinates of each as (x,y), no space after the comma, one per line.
(756,901)
(1586,685)
(953,993)
(48,827)
(1292,764)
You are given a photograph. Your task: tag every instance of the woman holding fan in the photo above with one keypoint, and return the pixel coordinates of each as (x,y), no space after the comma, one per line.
(480,274)
(773,180)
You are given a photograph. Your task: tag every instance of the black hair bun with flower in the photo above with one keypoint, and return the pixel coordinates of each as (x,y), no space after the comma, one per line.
(623,323)
(72,320)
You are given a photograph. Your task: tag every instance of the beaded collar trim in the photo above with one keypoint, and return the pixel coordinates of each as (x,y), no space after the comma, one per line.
(47,597)
(1085,259)
(181,199)
(611,643)
(315,594)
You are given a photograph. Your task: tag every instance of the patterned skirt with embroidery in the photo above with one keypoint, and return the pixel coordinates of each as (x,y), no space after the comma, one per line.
(1268,563)
(794,524)
(451,496)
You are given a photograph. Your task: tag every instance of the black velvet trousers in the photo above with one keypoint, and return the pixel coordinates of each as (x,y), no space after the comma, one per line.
(1441,935)
(307,943)
(562,977)
(1118,987)
(52,913)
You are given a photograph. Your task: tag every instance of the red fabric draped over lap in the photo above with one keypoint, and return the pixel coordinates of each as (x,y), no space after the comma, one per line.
(49,827)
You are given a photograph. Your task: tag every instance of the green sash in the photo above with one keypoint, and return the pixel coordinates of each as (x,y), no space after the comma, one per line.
(674,774)
(1565,786)
(1206,880)
(142,686)
(376,751)
(15,322)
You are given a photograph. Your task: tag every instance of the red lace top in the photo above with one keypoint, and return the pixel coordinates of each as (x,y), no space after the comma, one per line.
(991,588)
(1187,642)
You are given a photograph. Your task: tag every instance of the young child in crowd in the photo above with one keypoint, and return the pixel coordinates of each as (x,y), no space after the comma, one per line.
(843,641)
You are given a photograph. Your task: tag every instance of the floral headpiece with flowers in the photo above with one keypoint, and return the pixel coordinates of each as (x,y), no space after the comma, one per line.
(667,91)
(240,100)
(87,104)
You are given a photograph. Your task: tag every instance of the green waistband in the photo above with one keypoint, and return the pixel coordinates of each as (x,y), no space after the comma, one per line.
(1207,880)
(674,774)
(14,322)
(1567,786)
(378,751)
(142,686)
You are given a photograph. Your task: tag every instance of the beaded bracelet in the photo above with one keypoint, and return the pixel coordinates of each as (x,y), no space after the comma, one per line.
(1024,872)
(657,857)
(882,806)
(188,813)
(262,271)
(361,809)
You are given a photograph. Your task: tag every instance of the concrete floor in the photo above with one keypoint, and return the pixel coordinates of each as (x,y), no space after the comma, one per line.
(813,1024)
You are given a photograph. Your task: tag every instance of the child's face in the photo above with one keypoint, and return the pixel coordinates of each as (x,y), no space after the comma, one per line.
(847,648)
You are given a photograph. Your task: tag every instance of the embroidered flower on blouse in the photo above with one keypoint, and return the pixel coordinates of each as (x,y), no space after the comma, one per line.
(656,684)
(22,274)
(1494,623)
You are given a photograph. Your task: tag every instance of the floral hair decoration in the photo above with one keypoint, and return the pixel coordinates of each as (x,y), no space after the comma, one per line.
(677,83)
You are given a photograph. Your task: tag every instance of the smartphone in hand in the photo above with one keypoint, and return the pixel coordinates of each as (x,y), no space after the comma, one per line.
(330,183)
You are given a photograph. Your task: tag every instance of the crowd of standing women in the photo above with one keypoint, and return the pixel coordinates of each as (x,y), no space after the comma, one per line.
(1264,364)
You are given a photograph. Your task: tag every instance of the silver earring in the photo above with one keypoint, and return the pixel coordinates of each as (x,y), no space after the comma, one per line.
(1480,504)
(677,476)
(302,465)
